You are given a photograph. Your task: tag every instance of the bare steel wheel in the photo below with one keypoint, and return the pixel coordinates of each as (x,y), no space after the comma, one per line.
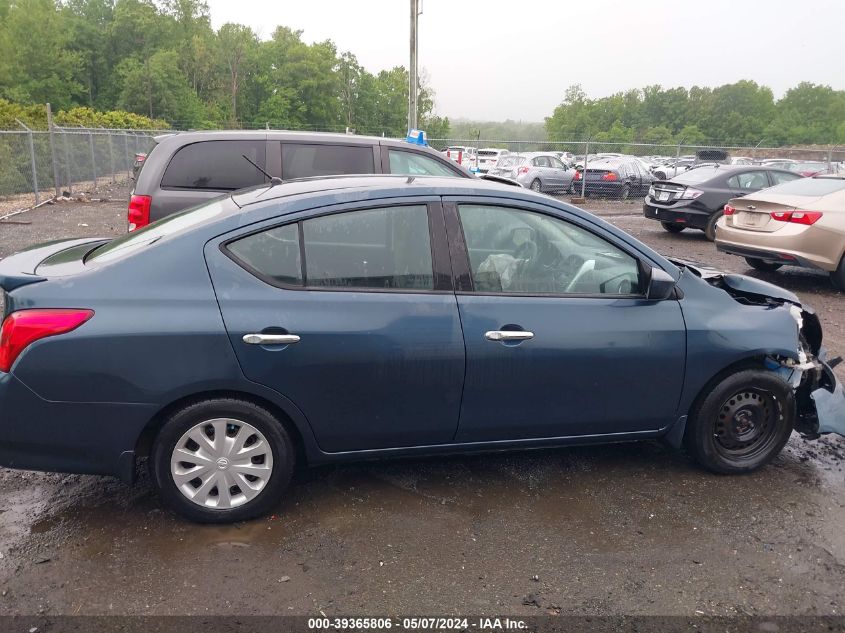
(222,460)
(221,463)
(741,422)
(746,423)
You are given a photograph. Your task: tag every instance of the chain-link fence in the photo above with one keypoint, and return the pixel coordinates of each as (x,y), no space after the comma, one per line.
(828,154)
(36,165)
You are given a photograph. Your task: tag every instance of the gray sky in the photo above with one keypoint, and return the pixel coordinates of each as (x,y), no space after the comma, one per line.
(498,59)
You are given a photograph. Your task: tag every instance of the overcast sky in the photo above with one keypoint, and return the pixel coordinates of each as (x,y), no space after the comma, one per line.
(498,59)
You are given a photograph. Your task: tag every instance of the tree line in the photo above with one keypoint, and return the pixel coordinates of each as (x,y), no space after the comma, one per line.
(163,60)
(741,113)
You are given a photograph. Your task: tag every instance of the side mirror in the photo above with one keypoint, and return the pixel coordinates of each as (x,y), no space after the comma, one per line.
(661,285)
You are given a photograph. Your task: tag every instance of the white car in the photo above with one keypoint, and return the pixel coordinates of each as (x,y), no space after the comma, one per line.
(488,158)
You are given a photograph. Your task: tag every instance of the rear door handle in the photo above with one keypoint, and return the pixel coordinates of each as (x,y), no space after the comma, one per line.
(271,339)
(508,335)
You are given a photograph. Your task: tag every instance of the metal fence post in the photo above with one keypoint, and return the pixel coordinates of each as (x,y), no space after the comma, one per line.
(53,150)
(32,161)
(111,156)
(584,171)
(93,158)
(126,154)
(67,161)
(677,158)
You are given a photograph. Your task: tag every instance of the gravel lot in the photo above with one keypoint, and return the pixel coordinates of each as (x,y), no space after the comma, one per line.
(619,529)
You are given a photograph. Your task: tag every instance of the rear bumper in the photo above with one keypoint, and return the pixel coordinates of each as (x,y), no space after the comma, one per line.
(72,437)
(793,245)
(607,189)
(682,216)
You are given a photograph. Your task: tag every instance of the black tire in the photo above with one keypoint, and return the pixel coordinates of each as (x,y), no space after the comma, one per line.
(671,227)
(759,264)
(182,421)
(536,185)
(626,191)
(741,423)
(710,229)
(837,277)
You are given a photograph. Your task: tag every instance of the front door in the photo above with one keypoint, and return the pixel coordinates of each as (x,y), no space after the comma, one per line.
(560,340)
(344,316)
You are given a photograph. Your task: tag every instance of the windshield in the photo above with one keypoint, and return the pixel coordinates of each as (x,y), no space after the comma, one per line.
(152,233)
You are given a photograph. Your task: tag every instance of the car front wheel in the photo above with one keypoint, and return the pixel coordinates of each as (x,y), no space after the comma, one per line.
(742,422)
(221,461)
(710,229)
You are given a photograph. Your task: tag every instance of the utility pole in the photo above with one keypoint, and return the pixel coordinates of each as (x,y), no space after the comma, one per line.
(413,79)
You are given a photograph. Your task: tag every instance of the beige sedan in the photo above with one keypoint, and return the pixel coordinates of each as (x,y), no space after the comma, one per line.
(797,223)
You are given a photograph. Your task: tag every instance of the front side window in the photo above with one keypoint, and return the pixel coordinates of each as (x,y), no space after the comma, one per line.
(216,166)
(307,161)
(749,181)
(415,164)
(385,248)
(517,251)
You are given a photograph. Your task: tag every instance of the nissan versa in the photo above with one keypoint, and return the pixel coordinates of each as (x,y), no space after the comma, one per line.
(378,316)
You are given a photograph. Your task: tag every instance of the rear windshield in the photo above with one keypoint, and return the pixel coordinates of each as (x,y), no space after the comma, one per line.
(809,187)
(154,232)
(511,161)
(694,176)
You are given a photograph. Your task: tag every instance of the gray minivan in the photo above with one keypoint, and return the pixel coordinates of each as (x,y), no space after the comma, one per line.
(188,168)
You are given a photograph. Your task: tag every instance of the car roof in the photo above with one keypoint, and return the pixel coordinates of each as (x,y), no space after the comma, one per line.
(390,185)
(184,138)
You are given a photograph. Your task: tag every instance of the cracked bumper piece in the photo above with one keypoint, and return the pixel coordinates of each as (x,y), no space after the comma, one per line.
(830,408)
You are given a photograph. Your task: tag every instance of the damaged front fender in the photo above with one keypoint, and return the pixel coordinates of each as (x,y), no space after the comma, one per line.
(820,399)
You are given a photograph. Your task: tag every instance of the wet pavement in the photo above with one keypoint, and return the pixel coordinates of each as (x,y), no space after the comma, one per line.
(617,529)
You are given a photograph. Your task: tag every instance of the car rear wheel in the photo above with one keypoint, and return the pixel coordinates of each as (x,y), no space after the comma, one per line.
(222,460)
(742,422)
(710,228)
(535,185)
(837,277)
(672,227)
(760,264)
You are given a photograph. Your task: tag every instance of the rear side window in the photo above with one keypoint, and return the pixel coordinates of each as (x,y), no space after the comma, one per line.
(216,165)
(414,164)
(273,253)
(306,161)
(750,180)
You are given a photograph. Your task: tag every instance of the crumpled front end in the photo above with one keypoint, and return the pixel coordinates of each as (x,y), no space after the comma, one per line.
(820,399)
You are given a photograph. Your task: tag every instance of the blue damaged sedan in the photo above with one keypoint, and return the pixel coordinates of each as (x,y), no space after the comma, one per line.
(369,317)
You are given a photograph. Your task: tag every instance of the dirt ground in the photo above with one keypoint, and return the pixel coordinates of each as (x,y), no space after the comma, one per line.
(618,529)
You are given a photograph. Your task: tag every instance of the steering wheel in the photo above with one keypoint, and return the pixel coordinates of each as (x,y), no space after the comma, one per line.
(586,267)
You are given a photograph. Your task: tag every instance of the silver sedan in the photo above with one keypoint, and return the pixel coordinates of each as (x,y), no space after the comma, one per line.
(539,171)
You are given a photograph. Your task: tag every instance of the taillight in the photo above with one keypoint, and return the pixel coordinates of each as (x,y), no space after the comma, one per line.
(797,217)
(729,210)
(577,176)
(140,158)
(139,211)
(24,327)
(610,176)
(523,170)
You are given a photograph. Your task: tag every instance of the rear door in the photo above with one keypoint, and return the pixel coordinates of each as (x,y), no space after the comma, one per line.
(307,160)
(349,314)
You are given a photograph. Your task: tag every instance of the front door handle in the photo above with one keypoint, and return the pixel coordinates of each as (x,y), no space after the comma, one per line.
(271,339)
(508,335)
